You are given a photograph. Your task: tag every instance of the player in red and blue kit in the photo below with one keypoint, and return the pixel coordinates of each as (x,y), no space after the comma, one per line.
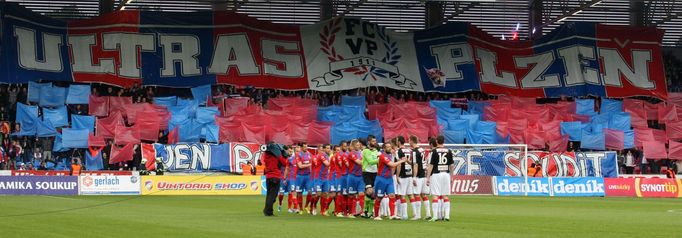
(322,180)
(288,184)
(339,170)
(304,161)
(355,183)
(383,183)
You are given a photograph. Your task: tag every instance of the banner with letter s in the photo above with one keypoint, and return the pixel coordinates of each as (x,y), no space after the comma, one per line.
(569,164)
(190,49)
(38,185)
(471,184)
(201,185)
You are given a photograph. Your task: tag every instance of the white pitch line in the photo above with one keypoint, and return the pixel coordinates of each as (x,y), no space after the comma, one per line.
(65,198)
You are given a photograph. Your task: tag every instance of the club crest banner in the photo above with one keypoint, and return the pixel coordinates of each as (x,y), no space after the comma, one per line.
(195,49)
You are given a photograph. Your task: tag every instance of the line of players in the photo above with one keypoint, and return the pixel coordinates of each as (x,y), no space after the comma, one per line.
(364,179)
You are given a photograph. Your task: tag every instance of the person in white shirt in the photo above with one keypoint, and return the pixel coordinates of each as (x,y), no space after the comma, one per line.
(629,162)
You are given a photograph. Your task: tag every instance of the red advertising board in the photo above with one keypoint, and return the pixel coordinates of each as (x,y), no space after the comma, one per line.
(643,187)
(657,187)
(67,173)
(471,184)
(619,187)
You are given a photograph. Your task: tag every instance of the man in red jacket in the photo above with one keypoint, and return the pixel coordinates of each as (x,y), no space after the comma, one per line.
(274,159)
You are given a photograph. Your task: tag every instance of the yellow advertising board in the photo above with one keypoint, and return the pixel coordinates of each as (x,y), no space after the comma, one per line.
(202,185)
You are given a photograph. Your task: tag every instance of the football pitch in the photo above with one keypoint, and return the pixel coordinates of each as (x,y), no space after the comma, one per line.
(241,216)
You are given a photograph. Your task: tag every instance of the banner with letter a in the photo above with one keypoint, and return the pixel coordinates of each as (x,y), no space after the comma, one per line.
(191,49)
(202,185)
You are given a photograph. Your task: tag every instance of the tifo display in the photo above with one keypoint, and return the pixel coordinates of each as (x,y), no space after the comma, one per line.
(128,48)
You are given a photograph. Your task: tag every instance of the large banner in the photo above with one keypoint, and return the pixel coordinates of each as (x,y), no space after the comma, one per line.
(38,185)
(202,185)
(67,172)
(560,187)
(569,164)
(191,49)
(109,185)
(188,157)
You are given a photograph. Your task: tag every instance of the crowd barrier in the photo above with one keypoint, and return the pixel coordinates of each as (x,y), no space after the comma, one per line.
(129,183)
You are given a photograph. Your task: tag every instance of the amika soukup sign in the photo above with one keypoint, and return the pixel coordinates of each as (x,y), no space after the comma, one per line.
(643,187)
(201,185)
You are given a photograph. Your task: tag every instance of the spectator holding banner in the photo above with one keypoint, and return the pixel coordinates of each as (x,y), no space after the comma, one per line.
(274,159)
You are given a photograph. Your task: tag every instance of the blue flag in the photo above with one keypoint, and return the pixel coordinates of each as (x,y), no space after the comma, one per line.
(201,93)
(611,106)
(166,101)
(94,162)
(573,129)
(454,137)
(52,96)
(75,138)
(34,90)
(58,146)
(629,139)
(212,133)
(59,117)
(353,101)
(45,129)
(78,94)
(83,122)
(206,115)
(26,116)
(190,131)
(593,140)
(585,107)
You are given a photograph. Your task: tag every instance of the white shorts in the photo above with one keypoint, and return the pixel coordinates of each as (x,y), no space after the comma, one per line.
(405,187)
(421,187)
(440,184)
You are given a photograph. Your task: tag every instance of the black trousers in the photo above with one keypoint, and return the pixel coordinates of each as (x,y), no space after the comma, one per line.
(272,185)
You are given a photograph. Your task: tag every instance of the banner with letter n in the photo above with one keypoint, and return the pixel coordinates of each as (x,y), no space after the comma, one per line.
(190,157)
(192,49)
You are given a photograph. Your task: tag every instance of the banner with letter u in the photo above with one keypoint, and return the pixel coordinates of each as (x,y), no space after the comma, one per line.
(192,49)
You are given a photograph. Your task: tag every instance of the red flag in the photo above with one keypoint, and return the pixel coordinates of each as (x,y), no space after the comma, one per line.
(667,113)
(254,133)
(318,133)
(674,130)
(148,125)
(559,144)
(651,111)
(675,99)
(614,139)
(535,139)
(674,150)
(121,155)
(106,127)
(126,135)
(95,141)
(642,135)
(655,150)
(119,104)
(173,136)
(98,106)
(149,153)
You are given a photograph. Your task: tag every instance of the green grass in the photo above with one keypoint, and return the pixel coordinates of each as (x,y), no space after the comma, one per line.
(240,216)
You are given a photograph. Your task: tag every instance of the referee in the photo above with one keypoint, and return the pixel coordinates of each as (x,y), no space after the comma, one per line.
(274,160)
(369,172)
